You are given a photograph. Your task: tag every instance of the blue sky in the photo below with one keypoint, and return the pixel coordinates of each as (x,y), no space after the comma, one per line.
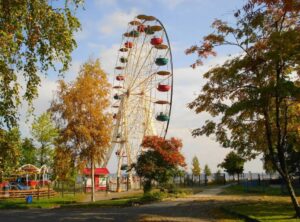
(103,22)
(186,21)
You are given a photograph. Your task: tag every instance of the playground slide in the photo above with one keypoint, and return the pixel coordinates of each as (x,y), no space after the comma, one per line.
(21,187)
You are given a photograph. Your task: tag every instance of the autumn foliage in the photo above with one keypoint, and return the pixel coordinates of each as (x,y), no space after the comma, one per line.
(160,162)
(168,149)
(80,110)
(254,93)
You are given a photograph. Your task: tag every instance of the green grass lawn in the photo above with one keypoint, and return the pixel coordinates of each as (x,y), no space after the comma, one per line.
(69,200)
(254,190)
(265,211)
(41,203)
(274,206)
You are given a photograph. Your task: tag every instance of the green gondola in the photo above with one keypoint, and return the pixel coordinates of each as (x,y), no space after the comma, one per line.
(161,61)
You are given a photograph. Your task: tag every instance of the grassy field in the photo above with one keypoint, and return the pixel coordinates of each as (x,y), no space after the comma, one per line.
(41,203)
(265,211)
(256,190)
(260,203)
(69,200)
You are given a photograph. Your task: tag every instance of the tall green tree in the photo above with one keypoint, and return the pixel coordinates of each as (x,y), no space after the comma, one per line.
(207,170)
(34,36)
(44,132)
(233,164)
(196,170)
(80,110)
(28,152)
(253,93)
(10,142)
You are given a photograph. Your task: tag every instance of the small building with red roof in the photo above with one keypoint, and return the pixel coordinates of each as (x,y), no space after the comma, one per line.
(100,178)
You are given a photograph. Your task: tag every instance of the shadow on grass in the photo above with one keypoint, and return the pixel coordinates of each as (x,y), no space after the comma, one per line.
(254,190)
(41,203)
(264,211)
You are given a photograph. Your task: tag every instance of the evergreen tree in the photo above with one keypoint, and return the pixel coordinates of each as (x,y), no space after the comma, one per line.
(207,170)
(196,166)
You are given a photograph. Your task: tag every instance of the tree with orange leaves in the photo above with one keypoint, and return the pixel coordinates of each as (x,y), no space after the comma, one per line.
(80,112)
(160,161)
(254,93)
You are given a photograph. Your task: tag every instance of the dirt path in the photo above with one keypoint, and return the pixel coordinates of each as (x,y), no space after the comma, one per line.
(111,195)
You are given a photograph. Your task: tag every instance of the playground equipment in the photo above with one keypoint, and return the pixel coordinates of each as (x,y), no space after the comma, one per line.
(143,88)
(27,177)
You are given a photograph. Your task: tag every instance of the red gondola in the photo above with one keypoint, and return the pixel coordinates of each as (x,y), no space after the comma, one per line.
(120,78)
(128,45)
(156,41)
(163,88)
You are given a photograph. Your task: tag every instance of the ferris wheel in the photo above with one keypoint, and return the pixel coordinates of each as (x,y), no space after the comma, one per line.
(142,89)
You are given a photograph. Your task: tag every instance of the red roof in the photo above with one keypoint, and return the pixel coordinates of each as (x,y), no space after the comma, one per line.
(98,171)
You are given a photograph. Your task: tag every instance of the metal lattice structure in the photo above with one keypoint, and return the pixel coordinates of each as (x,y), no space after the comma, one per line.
(142,89)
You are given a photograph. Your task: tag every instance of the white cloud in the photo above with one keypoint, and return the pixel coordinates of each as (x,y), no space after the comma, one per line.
(118,20)
(73,71)
(41,104)
(108,57)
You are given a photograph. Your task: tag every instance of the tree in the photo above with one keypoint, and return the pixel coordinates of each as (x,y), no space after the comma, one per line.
(45,133)
(63,167)
(233,164)
(28,152)
(219,178)
(80,112)
(253,93)
(160,162)
(35,35)
(196,166)
(10,143)
(207,170)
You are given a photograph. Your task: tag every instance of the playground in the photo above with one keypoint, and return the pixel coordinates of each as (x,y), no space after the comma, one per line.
(28,180)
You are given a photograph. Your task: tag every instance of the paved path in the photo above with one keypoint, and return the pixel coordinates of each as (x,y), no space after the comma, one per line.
(182,209)
(111,195)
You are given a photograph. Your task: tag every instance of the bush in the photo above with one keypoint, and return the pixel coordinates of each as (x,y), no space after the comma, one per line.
(153,196)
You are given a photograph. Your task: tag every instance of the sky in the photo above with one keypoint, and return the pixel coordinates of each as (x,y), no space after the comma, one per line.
(186,22)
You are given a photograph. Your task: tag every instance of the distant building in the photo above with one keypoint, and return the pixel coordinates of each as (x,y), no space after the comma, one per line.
(100,178)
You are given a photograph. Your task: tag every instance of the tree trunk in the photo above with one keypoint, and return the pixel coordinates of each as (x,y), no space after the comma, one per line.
(281,169)
(147,186)
(238,175)
(42,155)
(93,180)
(291,191)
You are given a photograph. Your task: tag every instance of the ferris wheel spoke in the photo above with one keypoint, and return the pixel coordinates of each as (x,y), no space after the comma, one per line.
(140,52)
(141,68)
(148,78)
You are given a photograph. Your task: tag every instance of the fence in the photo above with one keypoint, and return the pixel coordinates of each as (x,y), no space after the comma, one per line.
(248,180)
